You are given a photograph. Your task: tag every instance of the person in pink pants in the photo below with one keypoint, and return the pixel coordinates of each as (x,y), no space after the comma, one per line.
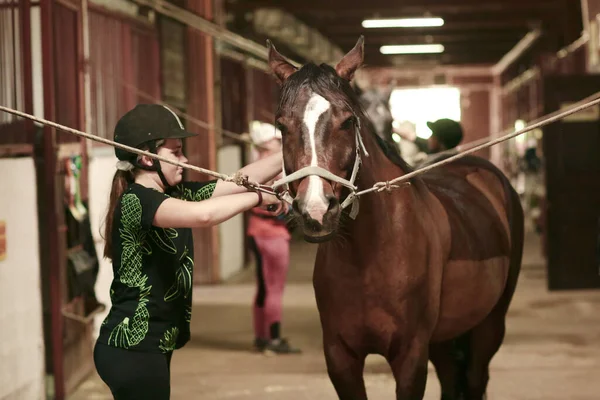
(270,241)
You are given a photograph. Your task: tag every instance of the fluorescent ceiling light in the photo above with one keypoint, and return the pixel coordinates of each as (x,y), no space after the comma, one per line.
(412,49)
(402,23)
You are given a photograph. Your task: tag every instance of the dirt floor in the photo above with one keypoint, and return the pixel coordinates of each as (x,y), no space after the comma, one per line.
(551,350)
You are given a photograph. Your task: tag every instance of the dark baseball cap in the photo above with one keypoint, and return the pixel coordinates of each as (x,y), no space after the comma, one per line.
(447,131)
(145,123)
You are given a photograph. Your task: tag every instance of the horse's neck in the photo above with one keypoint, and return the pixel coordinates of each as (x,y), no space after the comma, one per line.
(376,209)
(376,167)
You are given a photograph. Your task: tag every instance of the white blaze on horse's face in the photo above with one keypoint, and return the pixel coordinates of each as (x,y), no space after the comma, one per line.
(316,203)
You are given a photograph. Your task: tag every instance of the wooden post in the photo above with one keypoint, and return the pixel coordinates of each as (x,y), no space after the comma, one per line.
(47,205)
(201,150)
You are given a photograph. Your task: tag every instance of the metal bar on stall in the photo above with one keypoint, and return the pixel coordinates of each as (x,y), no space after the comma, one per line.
(195,21)
(249,61)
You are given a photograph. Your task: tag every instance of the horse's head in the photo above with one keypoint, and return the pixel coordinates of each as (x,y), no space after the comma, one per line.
(319,116)
(376,102)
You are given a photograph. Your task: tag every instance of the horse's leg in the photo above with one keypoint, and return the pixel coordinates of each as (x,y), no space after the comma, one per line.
(472,353)
(474,350)
(409,367)
(484,341)
(487,337)
(345,369)
(450,362)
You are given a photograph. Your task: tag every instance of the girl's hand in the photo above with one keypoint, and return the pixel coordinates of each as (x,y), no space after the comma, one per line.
(271,205)
(269,199)
(276,209)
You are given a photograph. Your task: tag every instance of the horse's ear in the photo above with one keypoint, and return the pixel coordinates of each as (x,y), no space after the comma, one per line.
(352,60)
(278,64)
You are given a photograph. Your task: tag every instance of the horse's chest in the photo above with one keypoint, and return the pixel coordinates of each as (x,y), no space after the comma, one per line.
(365,295)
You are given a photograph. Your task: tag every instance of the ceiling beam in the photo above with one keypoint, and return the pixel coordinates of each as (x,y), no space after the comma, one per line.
(405,7)
(449,60)
(475,32)
(496,51)
(459,27)
(520,48)
(488,37)
(499,50)
(354,14)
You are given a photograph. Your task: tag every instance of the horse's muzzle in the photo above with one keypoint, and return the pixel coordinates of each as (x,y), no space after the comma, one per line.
(319,239)
(319,225)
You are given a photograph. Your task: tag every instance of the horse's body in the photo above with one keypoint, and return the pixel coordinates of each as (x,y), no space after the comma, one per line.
(431,266)
(424,272)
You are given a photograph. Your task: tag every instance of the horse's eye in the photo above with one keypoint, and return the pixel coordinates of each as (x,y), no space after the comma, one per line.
(281,127)
(348,124)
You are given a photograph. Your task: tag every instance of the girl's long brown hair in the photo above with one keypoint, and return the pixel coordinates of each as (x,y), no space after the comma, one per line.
(121,180)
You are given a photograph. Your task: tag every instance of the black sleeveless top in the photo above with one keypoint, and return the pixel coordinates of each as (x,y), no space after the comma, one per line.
(151,292)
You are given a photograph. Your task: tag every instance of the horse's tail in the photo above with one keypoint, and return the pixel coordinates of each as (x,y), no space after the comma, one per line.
(516,220)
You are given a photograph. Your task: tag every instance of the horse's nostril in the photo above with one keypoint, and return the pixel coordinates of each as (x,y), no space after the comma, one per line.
(316,227)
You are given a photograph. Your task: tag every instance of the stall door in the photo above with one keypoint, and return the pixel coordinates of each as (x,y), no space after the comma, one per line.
(572,169)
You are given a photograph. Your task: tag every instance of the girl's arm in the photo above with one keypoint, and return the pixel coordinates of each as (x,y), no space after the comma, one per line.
(261,171)
(175,213)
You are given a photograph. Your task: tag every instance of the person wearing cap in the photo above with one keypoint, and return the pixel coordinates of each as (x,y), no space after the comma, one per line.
(270,241)
(149,240)
(446,134)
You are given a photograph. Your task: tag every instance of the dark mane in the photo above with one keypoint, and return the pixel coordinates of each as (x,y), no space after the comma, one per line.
(323,80)
(391,152)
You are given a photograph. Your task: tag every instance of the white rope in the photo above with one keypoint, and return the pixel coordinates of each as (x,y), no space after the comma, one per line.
(546,120)
(237,178)
(242,180)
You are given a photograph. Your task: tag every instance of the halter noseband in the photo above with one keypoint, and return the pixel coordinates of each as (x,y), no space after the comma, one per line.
(325,174)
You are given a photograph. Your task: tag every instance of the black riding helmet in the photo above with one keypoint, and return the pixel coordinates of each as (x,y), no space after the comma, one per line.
(146,124)
(447,131)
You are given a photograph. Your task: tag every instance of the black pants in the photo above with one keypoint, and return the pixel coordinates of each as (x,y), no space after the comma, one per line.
(133,375)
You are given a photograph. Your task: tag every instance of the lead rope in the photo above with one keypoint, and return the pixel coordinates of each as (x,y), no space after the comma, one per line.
(241,180)
(546,120)
(238,178)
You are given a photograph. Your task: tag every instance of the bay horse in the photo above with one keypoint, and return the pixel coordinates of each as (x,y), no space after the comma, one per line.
(424,272)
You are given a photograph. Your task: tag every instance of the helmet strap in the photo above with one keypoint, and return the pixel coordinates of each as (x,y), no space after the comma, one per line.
(154,167)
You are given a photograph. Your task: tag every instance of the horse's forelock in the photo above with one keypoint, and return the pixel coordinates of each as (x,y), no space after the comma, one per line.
(324,81)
